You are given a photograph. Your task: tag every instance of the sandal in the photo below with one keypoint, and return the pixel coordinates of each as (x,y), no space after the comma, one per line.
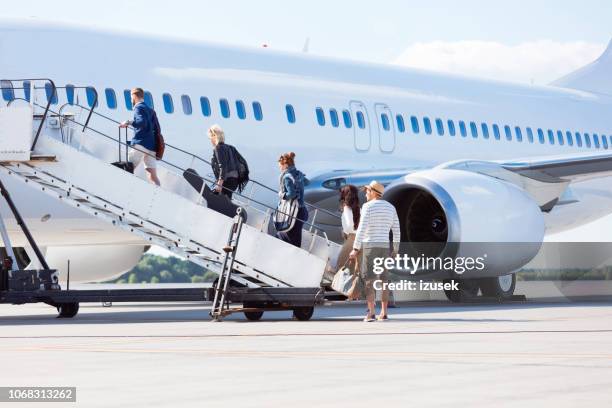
(369,318)
(382,318)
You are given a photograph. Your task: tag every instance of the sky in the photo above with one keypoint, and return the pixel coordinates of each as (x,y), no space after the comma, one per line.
(534,41)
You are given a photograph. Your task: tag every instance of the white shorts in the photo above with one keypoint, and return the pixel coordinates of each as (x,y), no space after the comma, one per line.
(139,153)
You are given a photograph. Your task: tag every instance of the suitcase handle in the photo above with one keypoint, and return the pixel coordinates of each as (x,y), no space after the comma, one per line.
(126,144)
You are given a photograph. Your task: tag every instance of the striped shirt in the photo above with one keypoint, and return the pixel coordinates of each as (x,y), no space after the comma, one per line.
(378,217)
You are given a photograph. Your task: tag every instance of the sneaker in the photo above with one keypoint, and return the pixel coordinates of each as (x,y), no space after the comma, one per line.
(369,318)
(382,318)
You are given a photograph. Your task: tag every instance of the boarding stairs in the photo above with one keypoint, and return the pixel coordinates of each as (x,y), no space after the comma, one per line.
(70,160)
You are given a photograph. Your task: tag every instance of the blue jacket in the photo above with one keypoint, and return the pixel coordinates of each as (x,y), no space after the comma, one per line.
(292,185)
(144,125)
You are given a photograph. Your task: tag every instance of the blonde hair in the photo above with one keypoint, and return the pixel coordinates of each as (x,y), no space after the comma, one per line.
(287,158)
(215,132)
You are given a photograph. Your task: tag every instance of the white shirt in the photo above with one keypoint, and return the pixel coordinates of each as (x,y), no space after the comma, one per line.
(348,226)
(378,217)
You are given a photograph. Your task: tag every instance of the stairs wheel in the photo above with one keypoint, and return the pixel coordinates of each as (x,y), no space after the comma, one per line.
(253,315)
(67,310)
(303,313)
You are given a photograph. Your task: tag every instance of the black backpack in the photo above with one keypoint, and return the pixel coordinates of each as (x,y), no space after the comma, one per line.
(243,169)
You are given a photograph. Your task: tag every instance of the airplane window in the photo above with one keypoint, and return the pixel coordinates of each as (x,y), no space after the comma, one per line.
(551,137)
(346,116)
(225,110)
(148,100)
(400,123)
(385,121)
(541,136)
(596,140)
(496,132)
(462,128)
(474,130)
(290,113)
(529,135)
(257,111)
(508,132)
(128,99)
(604,141)
(333,117)
(90,91)
(415,124)
(8,93)
(111,99)
(52,96)
(26,90)
(578,139)
(570,140)
(168,104)
(320,116)
(360,120)
(485,130)
(427,125)
(560,137)
(186,102)
(451,127)
(240,110)
(440,127)
(519,134)
(205,105)
(587,140)
(70,94)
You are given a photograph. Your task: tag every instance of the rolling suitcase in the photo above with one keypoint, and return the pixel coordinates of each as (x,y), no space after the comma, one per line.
(124,165)
(217,202)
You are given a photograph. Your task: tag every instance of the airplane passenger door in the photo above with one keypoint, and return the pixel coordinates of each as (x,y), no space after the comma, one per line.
(361,126)
(386,128)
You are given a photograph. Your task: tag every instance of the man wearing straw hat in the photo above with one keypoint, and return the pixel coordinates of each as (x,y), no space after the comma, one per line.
(378,218)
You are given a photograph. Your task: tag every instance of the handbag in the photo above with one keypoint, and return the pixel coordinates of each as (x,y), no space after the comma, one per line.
(160,144)
(286,214)
(344,279)
(356,289)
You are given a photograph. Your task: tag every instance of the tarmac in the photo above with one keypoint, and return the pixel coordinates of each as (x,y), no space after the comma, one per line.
(432,353)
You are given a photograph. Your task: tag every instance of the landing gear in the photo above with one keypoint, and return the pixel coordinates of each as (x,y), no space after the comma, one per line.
(67,310)
(303,313)
(501,287)
(468,289)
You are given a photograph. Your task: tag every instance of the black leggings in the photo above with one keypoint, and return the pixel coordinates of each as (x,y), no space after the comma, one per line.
(229,186)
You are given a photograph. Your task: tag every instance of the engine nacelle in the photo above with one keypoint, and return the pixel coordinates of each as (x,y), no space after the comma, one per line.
(460,214)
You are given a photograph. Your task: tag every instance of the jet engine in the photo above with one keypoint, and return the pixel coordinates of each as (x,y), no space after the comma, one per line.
(450,213)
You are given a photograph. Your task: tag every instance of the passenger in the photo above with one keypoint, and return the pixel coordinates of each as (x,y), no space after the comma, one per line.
(378,218)
(292,187)
(224,162)
(144,142)
(349,201)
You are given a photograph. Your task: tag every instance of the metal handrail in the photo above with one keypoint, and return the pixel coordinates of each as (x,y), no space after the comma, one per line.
(53,93)
(316,209)
(204,179)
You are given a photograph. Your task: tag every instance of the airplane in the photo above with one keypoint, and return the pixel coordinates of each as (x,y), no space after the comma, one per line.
(464,160)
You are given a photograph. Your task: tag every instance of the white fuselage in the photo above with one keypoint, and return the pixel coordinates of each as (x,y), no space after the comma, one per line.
(119,61)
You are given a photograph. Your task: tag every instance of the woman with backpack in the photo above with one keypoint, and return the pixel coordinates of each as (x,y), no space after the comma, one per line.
(294,212)
(229,167)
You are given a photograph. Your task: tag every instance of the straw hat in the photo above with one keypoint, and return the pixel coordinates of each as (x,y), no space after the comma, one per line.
(375,186)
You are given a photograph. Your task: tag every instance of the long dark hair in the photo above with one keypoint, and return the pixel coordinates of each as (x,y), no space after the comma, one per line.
(349,196)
